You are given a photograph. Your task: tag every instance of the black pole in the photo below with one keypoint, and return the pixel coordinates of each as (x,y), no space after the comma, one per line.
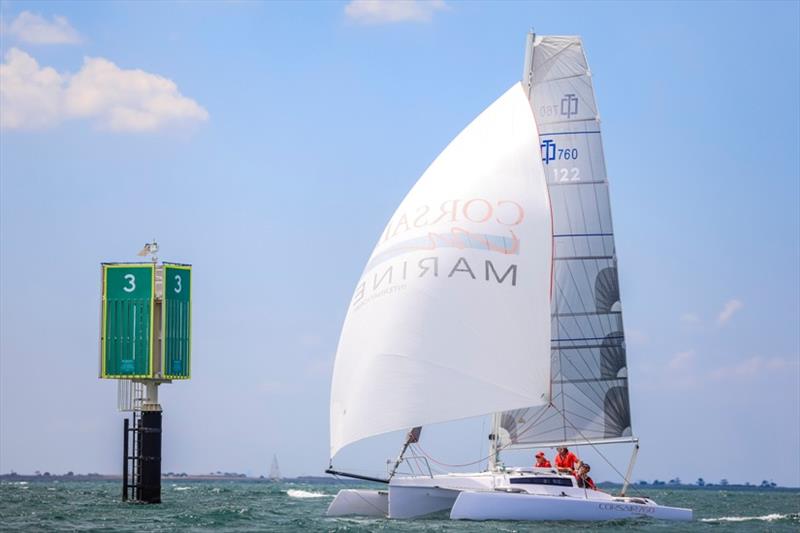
(125,459)
(150,457)
(356,476)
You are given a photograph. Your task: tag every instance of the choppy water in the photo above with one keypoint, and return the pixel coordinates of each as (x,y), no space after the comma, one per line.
(250,506)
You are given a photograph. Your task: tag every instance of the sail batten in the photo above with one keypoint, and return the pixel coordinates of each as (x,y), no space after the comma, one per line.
(590,400)
(451,316)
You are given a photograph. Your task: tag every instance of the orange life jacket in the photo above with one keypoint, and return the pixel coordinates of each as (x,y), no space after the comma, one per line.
(566,461)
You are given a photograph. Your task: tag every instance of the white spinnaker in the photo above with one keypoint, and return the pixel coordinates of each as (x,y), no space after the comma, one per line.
(451,317)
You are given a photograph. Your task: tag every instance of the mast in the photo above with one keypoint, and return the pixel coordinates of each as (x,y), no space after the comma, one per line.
(527,71)
(494,447)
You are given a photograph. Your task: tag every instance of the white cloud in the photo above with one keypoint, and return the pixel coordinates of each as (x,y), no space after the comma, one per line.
(30,28)
(728,310)
(34,97)
(752,367)
(392,11)
(681,360)
(30,96)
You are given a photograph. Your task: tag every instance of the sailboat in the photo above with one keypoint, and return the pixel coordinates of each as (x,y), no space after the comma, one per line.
(494,291)
(274,469)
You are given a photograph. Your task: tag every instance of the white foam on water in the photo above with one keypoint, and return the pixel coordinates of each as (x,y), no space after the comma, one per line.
(765,518)
(297,493)
(182,488)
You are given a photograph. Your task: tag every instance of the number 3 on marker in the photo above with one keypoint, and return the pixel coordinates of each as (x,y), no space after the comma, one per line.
(178,281)
(132,283)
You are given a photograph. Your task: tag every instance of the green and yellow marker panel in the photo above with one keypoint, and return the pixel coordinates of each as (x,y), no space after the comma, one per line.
(177,321)
(126,337)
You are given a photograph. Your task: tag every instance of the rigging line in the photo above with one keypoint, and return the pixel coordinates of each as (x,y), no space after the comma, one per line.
(571,397)
(535,420)
(590,443)
(589,420)
(530,425)
(426,454)
(498,449)
(592,386)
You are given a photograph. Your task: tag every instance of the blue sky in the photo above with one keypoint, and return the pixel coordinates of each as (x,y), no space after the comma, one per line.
(268,144)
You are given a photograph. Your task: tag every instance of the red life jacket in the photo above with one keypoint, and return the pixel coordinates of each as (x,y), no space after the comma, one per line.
(567,461)
(544,463)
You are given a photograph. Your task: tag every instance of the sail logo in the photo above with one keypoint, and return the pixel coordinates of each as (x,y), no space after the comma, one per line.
(397,276)
(551,152)
(569,105)
(627,508)
(548,150)
(472,211)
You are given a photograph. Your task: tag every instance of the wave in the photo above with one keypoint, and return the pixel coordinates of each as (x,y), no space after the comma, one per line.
(297,493)
(765,518)
(182,488)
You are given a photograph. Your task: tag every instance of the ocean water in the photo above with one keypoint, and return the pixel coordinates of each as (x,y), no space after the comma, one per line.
(252,506)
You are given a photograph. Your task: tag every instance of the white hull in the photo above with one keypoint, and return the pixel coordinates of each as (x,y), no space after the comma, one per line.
(412,502)
(512,495)
(355,502)
(532,507)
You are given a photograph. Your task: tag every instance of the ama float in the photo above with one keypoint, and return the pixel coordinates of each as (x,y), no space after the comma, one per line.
(500,257)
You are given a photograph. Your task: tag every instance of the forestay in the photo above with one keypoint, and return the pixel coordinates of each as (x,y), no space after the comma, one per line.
(589,368)
(451,317)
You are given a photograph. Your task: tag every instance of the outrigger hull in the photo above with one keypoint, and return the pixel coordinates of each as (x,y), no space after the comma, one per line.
(533,507)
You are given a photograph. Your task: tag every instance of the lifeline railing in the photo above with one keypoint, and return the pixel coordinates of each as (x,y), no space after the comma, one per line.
(416,458)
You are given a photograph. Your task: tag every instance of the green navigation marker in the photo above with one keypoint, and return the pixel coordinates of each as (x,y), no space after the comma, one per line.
(177,321)
(126,337)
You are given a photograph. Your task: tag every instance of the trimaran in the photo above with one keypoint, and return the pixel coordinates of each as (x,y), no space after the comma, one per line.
(500,257)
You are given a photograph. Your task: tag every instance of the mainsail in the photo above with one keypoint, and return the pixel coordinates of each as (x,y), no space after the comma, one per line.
(451,316)
(589,369)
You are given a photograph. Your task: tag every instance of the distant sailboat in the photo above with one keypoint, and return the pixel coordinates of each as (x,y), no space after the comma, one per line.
(494,290)
(275,470)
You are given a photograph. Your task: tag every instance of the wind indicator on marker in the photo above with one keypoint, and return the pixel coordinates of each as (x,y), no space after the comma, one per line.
(149,248)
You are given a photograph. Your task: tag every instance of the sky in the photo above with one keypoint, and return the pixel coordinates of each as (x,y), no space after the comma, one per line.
(268,144)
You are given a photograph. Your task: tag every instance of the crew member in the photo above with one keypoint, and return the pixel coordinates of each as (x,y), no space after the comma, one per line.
(566,461)
(582,475)
(542,462)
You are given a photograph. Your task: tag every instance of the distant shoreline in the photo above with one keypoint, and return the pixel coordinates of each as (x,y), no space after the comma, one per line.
(316,480)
